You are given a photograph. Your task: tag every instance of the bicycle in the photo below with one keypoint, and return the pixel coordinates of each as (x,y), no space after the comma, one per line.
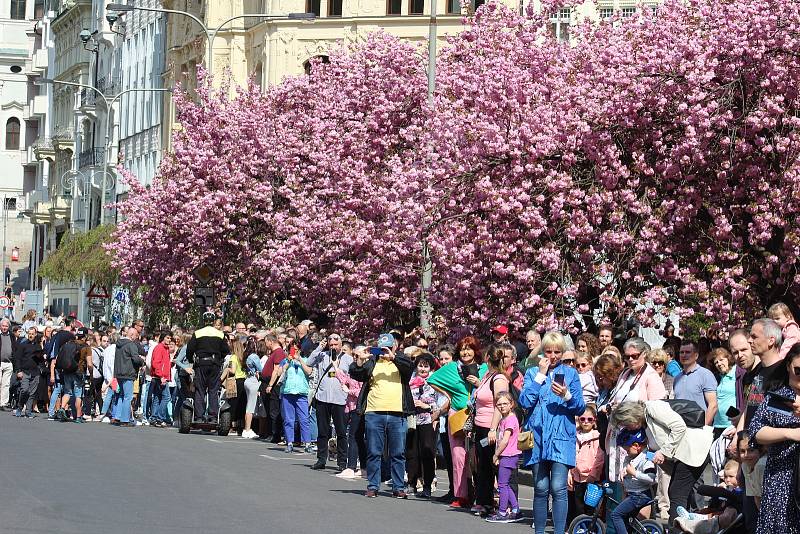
(592,524)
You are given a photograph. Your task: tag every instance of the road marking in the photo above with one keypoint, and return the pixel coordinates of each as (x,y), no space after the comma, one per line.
(268,457)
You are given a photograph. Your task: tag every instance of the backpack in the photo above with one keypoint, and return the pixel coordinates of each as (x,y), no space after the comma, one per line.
(691,413)
(67,359)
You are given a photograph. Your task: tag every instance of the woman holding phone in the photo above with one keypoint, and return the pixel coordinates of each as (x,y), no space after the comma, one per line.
(552,397)
(776,424)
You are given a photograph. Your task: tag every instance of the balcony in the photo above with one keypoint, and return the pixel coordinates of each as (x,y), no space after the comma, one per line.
(38,105)
(110,86)
(88,100)
(91,157)
(64,139)
(43,148)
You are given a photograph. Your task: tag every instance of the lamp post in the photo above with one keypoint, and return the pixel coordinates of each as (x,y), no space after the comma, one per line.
(5,223)
(211,34)
(109,103)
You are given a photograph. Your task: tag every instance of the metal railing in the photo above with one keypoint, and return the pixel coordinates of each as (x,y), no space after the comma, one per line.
(88,98)
(93,156)
(64,134)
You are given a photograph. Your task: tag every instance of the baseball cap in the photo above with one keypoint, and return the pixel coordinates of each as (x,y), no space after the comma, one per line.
(626,437)
(386,341)
(82,332)
(501,329)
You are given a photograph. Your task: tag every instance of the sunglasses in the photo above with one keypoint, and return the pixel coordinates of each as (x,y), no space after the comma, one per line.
(334,338)
(586,419)
(634,356)
(568,361)
(659,364)
(581,365)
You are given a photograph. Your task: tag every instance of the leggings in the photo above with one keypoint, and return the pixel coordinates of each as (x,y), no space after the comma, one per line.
(484,478)
(421,455)
(251,388)
(506,468)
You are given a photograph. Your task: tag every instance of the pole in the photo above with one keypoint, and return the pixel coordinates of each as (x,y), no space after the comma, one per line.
(425,310)
(5,222)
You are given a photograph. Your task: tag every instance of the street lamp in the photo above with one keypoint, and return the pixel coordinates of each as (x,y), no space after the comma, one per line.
(109,105)
(211,34)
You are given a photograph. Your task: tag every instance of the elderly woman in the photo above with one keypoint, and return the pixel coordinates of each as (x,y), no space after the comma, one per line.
(667,434)
(723,363)
(776,425)
(658,359)
(552,398)
(639,382)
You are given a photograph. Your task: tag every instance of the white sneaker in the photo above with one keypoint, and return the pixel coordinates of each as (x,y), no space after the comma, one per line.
(105,420)
(249,434)
(347,473)
(357,473)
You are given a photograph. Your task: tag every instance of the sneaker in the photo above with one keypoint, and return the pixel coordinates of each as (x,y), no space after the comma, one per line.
(459,503)
(371,493)
(686,514)
(318,466)
(424,494)
(105,420)
(17,413)
(309,449)
(289,448)
(400,494)
(478,509)
(79,420)
(29,415)
(500,518)
(347,473)
(51,417)
(357,473)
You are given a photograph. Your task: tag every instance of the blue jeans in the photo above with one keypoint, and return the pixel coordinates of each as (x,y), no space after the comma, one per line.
(629,507)
(107,402)
(54,397)
(383,428)
(549,478)
(122,407)
(312,423)
(295,408)
(160,400)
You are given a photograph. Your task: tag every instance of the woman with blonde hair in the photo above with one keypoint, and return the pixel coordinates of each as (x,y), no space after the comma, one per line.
(552,397)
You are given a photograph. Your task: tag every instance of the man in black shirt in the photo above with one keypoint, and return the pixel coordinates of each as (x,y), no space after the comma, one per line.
(206,350)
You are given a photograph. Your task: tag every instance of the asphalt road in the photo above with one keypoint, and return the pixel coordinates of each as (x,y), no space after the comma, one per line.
(65,478)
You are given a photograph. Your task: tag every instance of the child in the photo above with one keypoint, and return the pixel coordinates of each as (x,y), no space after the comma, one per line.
(589,462)
(781,314)
(723,507)
(421,440)
(506,456)
(638,477)
(583,364)
(753,463)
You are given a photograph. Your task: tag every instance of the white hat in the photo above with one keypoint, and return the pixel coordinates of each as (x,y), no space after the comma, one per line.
(306,322)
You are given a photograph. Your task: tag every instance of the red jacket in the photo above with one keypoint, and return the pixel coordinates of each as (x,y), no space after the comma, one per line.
(161,363)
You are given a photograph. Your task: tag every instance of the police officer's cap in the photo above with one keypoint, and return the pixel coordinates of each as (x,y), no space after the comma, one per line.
(208,317)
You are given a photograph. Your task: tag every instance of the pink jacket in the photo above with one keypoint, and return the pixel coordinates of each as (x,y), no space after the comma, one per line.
(590,459)
(791,335)
(354,388)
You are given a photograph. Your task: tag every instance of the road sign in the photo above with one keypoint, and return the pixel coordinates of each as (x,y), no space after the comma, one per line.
(5,302)
(204,297)
(97,303)
(101,293)
(203,273)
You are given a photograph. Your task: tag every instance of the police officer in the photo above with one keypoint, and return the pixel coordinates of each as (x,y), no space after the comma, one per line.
(206,350)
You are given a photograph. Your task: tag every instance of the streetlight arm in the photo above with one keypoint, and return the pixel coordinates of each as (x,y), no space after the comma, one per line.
(45,81)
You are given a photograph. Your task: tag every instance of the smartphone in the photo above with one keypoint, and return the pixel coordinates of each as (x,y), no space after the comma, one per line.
(484,442)
(559,379)
(780,404)
(376,351)
(732,412)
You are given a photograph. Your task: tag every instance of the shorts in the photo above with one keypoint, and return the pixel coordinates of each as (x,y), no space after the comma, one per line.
(73,385)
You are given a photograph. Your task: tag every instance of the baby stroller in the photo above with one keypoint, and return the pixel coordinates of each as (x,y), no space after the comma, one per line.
(730,519)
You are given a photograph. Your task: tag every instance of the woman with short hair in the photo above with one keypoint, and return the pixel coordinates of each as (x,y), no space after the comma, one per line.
(553,398)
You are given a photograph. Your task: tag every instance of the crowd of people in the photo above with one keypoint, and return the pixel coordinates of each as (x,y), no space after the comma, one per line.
(657,425)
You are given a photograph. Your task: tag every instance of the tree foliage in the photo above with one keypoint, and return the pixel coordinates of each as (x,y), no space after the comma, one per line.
(82,254)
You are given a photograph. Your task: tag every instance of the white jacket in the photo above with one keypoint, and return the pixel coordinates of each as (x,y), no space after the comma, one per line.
(674,439)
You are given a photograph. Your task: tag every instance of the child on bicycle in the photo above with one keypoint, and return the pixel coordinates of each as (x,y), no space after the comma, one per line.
(638,478)
(506,456)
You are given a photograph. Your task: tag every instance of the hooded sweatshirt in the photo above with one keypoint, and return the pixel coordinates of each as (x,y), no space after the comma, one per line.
(589,458)
(124,357)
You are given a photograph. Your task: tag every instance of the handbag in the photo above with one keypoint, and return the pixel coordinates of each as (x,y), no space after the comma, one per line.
(525,440)
(456,420)
(230,388)
(411,422)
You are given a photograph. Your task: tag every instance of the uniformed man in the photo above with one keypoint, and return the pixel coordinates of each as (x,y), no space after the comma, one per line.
(206,350)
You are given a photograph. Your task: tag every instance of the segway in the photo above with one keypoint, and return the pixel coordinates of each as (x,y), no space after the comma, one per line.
(187,423)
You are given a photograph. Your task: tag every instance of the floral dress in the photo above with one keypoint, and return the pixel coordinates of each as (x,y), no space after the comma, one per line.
(778,514)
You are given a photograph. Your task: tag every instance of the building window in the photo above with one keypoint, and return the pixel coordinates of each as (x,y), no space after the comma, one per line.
(628,12)
(12,134)
(606,12)
(416,7)
(314,6)
(334,8)
(476,4)
(394,7)
(10,204)
(38,9)
(559,24)
(18,9)
(453,7)
(308,66)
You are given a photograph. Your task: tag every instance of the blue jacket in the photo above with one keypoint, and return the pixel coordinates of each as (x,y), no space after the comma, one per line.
(551,418)
(254,366)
